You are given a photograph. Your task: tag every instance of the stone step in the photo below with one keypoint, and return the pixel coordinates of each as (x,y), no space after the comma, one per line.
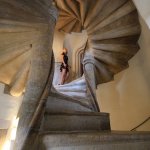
(76,121)
(78,81)
(72,88)
(57,102)
(66,97)
(74,94)
(97,141)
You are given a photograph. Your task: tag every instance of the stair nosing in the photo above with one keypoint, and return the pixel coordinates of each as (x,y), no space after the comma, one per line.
(78,113)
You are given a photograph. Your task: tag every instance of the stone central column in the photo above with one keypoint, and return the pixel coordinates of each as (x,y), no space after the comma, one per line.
(38,77)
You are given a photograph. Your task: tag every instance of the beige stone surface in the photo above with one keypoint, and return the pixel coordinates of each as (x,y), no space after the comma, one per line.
(58,45)
(9,106)
(127,98)
(144,11)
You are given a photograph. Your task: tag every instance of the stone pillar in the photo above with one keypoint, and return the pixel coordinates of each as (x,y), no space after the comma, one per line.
(89,72)
(38,77)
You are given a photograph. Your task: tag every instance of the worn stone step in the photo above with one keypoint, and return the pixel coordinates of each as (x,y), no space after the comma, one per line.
(75,94)
(97,141)
(80,81)
(59,103)
(76,88)
(72,88)
(76,121)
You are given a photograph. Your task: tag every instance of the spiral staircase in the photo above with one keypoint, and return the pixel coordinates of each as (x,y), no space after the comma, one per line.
(68,116)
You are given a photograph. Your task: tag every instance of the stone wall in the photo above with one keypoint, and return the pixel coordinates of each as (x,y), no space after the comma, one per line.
(9,106)
(127,98)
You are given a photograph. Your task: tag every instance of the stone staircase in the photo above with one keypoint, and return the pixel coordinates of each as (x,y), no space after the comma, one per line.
(67,123)
(76,88)
(70,124)
(64,114)
(97,141)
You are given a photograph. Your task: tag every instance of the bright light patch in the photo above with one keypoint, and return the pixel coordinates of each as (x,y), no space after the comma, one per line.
(14,128)
(12,134)
(7,145)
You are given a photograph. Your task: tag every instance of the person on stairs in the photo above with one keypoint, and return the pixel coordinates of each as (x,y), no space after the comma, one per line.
(64,68)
